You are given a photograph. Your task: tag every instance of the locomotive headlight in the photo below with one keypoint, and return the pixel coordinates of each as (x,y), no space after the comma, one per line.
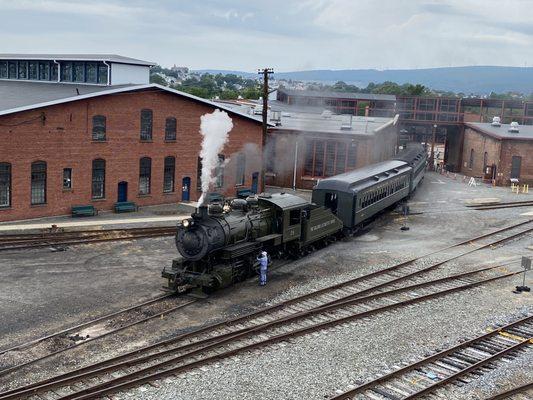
(186,223)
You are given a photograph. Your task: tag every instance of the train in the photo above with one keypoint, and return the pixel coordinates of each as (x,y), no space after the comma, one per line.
(219,243)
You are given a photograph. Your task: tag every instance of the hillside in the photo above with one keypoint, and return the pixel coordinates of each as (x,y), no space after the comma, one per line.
(475,79)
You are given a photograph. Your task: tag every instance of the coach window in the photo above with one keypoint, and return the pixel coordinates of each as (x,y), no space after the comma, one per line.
(145,172)
(168,178)
(98,182)
(99,128)
(146,125)
(294,217)
(38,183)
(170,129)
(5,185)
(67,178)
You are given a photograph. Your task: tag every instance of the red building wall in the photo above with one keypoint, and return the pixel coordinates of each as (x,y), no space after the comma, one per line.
(64,140)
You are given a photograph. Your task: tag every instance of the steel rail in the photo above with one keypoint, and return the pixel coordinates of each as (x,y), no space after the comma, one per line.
(320,291)
(511,392)
(134,379)
(349,394)
(84,324)
(9,370)
(99,368)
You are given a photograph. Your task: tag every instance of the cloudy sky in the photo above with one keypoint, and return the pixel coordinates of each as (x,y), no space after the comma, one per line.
(285,34)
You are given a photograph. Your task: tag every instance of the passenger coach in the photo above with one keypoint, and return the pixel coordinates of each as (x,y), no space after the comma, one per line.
(357,195)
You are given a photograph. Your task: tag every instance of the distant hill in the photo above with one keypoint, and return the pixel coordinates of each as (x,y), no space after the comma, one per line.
(475,79)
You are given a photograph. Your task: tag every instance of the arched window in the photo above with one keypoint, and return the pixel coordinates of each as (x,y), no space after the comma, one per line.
(168,177)
(38,182)
(5,185)
(146,124)
(219,171)
(471,161)
(145,172)
(241,169)
(98,181)
(99,128)
(170,128)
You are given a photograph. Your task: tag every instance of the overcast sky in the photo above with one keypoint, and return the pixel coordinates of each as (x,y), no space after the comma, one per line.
(285,34)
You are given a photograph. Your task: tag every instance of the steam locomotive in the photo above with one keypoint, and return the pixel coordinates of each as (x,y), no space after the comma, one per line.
(219,245)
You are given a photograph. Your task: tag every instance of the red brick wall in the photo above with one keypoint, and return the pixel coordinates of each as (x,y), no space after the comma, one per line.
(521,148)
(64,140)
(480,143)
(500,153)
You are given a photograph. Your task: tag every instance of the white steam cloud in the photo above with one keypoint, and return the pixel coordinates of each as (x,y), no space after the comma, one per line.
(215,128)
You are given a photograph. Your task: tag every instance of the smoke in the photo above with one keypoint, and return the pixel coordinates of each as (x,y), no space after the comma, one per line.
(215,128)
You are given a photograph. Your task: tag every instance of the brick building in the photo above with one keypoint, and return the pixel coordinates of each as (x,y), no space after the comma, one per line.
(76,138)
(306,146)
(498,151)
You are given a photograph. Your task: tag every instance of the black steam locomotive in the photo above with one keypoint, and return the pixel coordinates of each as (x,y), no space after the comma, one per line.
(219,245)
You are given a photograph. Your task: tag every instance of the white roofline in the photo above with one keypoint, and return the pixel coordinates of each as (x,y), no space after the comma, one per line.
(122,90)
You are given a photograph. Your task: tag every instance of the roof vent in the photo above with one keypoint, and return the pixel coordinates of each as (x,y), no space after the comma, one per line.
(496,121)
(514,127)
(376,177)
(346,123)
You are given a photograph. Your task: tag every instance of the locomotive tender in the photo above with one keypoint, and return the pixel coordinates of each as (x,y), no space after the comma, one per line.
(218,247)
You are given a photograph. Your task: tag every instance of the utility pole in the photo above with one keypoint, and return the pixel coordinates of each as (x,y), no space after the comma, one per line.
(432,154)
(266,72)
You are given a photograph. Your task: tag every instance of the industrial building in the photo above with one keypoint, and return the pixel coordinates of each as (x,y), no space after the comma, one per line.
(91,130)
(498,152)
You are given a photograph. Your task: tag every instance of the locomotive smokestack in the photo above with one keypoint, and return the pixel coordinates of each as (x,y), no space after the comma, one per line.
(202,211)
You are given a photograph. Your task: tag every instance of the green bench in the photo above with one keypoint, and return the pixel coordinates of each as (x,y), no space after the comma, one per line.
(244,193)
(83,211)
(125,206)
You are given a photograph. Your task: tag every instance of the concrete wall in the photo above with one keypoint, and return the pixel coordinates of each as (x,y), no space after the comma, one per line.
(125,73)
(64,140)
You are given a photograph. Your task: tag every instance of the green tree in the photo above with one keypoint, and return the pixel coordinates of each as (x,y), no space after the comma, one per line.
(155,78)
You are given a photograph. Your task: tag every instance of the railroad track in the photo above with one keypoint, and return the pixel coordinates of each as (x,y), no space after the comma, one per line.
(524,392)
(502,205)
(461,363)
(51,239)
(24,354)
(358,298)
(194,350)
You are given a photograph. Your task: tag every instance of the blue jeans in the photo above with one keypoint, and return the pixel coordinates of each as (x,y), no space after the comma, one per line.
(262,277)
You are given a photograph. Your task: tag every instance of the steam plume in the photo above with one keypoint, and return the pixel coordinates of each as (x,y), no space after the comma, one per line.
(215,128)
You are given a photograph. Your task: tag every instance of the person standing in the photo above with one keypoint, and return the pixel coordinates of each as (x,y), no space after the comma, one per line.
(263,267)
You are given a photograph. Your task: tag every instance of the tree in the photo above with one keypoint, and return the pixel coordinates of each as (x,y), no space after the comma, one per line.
(156,78)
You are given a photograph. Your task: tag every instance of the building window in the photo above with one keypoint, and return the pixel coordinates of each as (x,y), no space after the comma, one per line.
(5,185)
(92,72)
(78,72)
(146,125)
(340,164)
(168,177)
(241,169)
(219,171)
(23,70)
(66,71)
(99,128)
(44,71)
(98,190)
(471,161)
(199,173)
(145,172)
(319,159)
(53,72)
(12,69)
(102,74)
(3,70)
(516,165)
(485,159)
(330,158)
(38,182)
(170,129)
(33,72)
(67,178)
(352,156)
